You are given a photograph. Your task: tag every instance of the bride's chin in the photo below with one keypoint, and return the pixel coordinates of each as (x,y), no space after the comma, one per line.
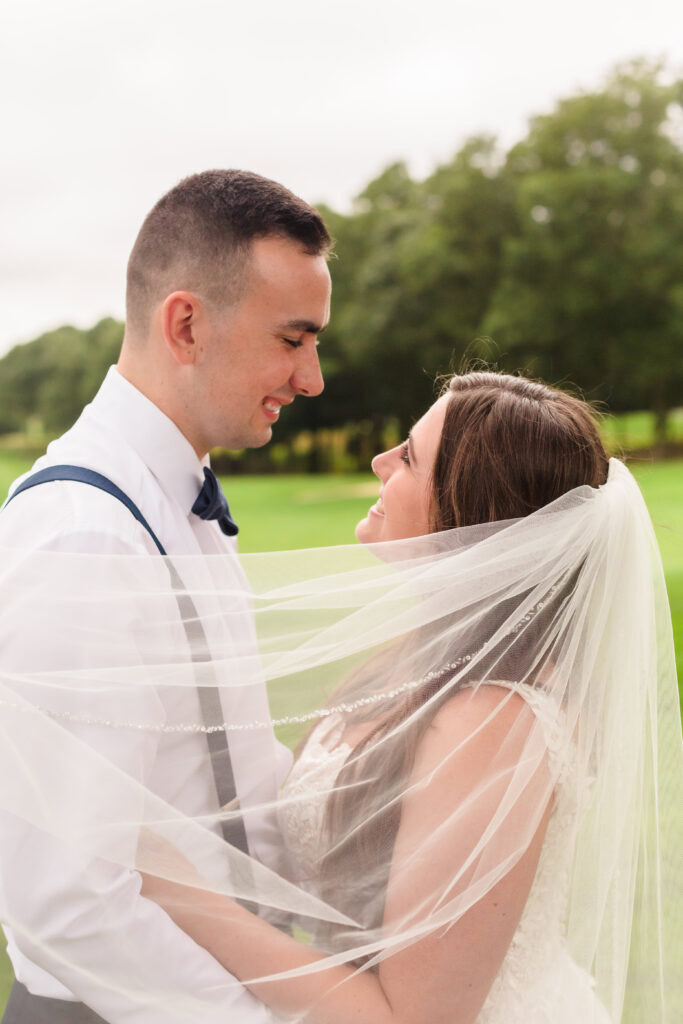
(365,532)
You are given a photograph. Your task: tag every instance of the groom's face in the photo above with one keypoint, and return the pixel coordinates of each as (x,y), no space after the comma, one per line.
(261,353)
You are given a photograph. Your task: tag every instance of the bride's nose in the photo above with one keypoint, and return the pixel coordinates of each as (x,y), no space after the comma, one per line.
(381,464)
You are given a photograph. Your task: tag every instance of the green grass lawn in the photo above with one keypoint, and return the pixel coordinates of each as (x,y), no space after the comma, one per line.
(276,513)
(632,430)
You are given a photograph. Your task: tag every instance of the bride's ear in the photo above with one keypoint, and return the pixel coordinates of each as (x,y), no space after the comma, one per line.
(181,316)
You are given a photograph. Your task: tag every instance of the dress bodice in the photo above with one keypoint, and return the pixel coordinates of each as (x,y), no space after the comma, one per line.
(301,808)
(538,982)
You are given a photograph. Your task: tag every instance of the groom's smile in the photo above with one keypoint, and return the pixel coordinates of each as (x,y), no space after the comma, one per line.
(272,407)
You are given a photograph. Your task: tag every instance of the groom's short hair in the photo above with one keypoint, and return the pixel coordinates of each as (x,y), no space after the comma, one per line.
(198,238)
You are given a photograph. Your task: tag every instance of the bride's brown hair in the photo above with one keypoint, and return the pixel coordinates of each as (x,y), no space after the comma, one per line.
(508,447)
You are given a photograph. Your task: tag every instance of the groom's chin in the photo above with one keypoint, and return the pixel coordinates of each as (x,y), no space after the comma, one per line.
(256,436)
(263,438)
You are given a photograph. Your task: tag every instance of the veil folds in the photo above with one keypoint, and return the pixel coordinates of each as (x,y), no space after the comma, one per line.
(549,635)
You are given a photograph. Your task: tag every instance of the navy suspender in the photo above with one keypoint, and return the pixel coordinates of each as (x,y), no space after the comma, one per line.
(87,476)
(209,700)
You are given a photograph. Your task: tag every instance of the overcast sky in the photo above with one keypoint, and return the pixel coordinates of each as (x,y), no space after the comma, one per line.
(107,104)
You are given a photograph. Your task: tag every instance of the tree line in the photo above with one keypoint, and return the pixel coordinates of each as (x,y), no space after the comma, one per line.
(561,258)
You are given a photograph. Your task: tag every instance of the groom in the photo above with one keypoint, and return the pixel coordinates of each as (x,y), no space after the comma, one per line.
(227,290)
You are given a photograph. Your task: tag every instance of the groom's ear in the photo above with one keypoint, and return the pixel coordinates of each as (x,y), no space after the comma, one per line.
(181,313)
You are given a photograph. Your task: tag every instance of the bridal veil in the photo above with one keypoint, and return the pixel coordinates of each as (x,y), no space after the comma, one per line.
(566,607)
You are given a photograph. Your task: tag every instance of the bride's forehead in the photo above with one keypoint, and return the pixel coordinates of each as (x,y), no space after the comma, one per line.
(429,426)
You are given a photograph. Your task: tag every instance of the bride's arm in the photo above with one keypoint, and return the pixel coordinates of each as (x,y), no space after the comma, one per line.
(256,949)
(446,975)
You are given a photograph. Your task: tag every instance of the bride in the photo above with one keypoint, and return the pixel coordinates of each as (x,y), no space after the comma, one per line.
(481,822)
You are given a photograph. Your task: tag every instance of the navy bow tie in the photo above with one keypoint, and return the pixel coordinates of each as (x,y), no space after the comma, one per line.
(211,504)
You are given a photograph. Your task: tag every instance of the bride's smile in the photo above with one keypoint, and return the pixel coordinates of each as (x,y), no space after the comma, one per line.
(403,507)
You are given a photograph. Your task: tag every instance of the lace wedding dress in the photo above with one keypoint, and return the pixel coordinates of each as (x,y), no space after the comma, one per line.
(538,982)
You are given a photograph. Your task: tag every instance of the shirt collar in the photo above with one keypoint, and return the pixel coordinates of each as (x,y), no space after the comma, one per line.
(157,440)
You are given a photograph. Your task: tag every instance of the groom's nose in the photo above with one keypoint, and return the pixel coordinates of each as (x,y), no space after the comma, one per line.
(307,378)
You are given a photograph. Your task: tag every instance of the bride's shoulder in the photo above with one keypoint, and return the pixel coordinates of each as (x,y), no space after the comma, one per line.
(491,703)
(472,725)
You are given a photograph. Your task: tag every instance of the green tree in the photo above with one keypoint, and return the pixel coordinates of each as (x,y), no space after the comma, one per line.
(591,282)
(416,263)
(51,378)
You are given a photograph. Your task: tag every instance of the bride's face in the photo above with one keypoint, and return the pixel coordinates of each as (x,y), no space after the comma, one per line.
(405,472)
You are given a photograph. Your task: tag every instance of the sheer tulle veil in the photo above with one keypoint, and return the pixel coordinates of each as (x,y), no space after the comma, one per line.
(567,604)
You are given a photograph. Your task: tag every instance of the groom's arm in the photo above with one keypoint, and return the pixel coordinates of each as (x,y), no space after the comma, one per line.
(85,924)
(81,918)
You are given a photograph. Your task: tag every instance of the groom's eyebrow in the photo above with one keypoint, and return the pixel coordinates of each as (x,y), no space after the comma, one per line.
(304,326)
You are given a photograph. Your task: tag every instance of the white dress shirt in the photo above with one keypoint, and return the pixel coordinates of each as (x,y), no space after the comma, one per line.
(124,436)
